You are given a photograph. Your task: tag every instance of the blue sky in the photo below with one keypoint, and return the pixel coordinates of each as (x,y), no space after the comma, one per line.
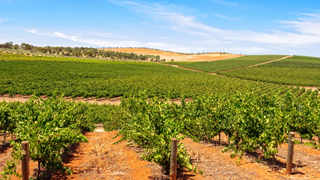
(243,27)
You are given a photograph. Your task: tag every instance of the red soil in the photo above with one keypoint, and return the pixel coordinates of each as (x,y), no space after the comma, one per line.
(100,159)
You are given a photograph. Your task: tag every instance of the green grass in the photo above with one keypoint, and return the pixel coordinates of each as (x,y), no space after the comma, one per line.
(222,65)
(27,75)
(298,70)
(297,142)
(309,144)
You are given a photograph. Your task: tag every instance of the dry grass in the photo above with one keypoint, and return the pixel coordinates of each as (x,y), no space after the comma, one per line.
(176,56)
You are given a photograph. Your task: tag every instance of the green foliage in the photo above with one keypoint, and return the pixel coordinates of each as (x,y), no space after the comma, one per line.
(50,126)
(88,53)
(307,143)
(222,65)
(151,125)
(105,113)
(7,122)
(298,70)
(251,122)
(92,78)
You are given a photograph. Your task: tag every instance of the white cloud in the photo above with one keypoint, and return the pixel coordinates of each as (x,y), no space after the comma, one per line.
(33,31)
(308,25)
(88,38)
(61,35)
(179,30)
(306,29)
(225,17)
(169,13)
(306,32)
(226,3)
(2,20)
(250,50)
(163,38)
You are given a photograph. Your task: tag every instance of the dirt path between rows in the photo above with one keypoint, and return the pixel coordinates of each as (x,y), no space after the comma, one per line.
(111,101)
(22,98)
(101,159)
(217,165)
(216,74)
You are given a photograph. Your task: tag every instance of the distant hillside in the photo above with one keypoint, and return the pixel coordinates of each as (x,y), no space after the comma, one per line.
(168,55)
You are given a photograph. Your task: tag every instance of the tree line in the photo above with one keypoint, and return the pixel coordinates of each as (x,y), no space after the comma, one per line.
(82,52)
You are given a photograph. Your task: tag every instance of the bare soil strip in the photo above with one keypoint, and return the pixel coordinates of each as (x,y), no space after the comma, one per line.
(101,159)
(22,98)
(93,100)
(217,165)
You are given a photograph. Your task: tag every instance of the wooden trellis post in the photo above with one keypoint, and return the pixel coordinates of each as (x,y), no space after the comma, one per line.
(173,159)
(290,153)
(25,160)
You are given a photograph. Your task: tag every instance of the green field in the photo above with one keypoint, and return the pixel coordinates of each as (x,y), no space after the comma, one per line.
(93,78)
(298,70)
(222,65)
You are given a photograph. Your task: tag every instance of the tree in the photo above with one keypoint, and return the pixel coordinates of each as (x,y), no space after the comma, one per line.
(16,46)
(26,46)
(88,53)
(157,57)
(48,49)
(8,45)
(76,53)
(101,53)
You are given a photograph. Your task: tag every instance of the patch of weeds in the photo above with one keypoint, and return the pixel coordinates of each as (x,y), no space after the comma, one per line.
(297,142)
(310,144)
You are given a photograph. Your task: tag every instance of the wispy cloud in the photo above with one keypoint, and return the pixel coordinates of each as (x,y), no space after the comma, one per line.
(305,25)
(164,38)
(307,28)
(169,13)
(226,3)
(225,17)
(92,39)
(181,30)
(306,31)
(33,31)
(2,20)
(249,50)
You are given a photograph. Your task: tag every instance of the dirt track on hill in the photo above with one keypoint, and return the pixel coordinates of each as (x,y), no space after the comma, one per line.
(258,64)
